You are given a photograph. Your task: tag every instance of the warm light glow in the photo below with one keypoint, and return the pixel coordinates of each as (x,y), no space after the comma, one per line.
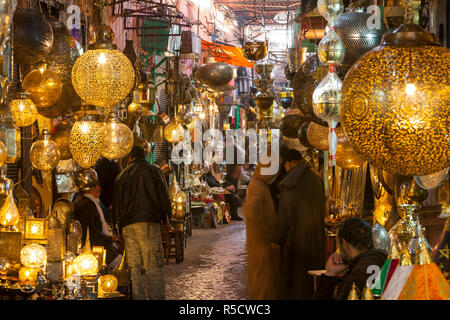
(9,215)
(102,58)
(28,276)
(85,265)
(107,283)
(23,111)
(86,142)
(44,153)
(117,140)
(33,256)
(202,116)
(103,77)
(410,89)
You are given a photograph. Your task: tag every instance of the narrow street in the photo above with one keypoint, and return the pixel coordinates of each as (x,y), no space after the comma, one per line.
(214,267)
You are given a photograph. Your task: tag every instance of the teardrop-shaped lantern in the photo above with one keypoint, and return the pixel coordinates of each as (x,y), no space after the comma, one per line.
(86,141)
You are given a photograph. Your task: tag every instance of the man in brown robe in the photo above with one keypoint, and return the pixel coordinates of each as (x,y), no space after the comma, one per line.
(299,231)
(260,214)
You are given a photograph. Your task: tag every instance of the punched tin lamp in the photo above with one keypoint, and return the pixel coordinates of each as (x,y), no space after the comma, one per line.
(103,76)
(395,103)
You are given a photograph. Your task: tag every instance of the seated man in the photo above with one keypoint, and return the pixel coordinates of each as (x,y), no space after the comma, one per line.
(354,241)
(89,213)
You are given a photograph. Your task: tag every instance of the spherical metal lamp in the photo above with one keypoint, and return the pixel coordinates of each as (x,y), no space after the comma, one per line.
(103,76)
(33,255)
(117,139)
(44,153)
(44,86)
(395,103)
(23,110)
(86,140)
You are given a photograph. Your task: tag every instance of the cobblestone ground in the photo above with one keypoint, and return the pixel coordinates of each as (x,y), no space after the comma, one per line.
(214,266)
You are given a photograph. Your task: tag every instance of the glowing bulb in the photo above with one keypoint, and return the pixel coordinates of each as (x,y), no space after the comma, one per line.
(102,58)
(21,107)
(410,89)
(84,128)
(202,116)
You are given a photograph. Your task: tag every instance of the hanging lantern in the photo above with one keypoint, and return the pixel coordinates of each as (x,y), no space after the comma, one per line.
(395,103)
(44,86)
(86,139)
(326,107)
(117,139)
(346,156)
(317,136)
(86,263)
(331,10)
(358,38)
(85,179)
(103,76)
(433,180)
(331,49)
(255,45)
(28,276)
(9,214)
(107,283)
(62,136)
(174,131)
(33,256)
(44,153)
(23,110)
(215,74)
(64,52)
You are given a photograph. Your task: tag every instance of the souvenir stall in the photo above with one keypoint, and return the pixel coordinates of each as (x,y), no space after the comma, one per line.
(361,89)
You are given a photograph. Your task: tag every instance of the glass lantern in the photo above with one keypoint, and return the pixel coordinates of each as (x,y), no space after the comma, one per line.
(255,45)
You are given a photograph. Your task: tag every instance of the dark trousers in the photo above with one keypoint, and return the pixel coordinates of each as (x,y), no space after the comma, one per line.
(235,202)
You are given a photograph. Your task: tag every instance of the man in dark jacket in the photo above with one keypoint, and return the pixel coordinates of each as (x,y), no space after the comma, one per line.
(299,235)
(140,205)
(351,265)
(107,171)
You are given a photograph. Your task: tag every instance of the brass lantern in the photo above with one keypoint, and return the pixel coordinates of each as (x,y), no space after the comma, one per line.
(117,139)
(23,110)
(44,86)
(44,153)
(103,76)
(86,140)
(395,103)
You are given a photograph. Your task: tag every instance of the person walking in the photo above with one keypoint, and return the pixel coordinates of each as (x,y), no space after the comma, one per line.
(141,205)
(299,232)
(260,209)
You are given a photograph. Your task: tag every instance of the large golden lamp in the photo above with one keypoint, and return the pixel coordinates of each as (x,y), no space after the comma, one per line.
(23,110)
(117,139)
(395,103)
(44,86)
(174,131)
(86,263)
(86,140)
(103,76)
(28,276)
(33,256)
(44,153)
(107,283)
(346,156)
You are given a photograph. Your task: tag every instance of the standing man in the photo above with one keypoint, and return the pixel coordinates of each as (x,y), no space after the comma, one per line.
(140,205)
(299,232)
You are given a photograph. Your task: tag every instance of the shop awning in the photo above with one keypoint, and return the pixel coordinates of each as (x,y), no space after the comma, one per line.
(228,54)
